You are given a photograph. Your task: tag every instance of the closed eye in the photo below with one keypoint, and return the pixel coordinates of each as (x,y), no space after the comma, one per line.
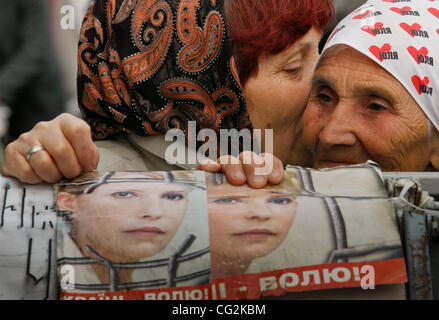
(376,107)
(294,71)
(324,98)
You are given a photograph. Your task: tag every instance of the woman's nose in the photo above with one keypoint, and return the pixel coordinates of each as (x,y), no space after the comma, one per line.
(258,210)
(151,209)
(339,129)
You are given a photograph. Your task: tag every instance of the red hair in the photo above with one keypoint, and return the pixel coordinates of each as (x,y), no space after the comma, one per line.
(270,26)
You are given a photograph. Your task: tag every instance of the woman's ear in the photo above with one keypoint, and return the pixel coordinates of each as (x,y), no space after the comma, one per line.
(65,201)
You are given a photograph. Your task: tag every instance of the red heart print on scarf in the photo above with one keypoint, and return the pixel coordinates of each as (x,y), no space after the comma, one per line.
(361,16)
(417,82)
(408,28)
(415,52)
(434,12)
(377,52)
(369,29)
(401,11)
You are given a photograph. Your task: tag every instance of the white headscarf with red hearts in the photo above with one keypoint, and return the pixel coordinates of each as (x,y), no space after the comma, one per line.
(403,37)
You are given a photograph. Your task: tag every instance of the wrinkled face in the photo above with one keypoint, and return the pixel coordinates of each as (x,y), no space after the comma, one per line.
(277,96)
(128,221)
(358,112)
(248,223)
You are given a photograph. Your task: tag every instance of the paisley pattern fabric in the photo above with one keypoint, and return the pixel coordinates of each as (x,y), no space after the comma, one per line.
(147,66)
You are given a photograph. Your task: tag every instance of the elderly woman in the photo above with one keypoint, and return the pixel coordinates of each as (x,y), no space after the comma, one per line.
(374,94)
(149,66)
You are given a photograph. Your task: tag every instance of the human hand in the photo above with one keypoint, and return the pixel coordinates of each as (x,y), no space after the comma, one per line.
(255,170)
(68,151)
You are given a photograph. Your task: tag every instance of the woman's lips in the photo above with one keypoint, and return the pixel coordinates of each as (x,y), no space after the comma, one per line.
(255,234)
(146,232)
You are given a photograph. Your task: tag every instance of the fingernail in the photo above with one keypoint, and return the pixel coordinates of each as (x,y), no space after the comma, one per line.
(276,174)
(238,175)
(258,179)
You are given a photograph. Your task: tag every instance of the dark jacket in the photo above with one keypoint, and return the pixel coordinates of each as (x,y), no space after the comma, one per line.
(30,81)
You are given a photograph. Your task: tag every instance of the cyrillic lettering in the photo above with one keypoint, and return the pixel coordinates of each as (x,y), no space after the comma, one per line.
(288,280)
(268,283)
(163,296)
(195,294)
(150,296)
(307,278)
(334,274)
(177,295)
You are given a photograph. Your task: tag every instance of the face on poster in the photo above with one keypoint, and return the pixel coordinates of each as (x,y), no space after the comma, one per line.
(335,221)
(137,220)
(127,217)
(247,223)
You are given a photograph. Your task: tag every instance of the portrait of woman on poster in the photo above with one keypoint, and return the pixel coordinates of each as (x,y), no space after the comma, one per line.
(245,223)
(122,217)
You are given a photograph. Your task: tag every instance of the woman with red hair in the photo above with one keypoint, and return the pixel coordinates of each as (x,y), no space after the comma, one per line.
(147,66)
(275,45)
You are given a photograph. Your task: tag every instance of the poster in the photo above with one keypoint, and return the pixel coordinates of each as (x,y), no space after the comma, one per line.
(315,231)
(128,230)
(27,241)
(191,235)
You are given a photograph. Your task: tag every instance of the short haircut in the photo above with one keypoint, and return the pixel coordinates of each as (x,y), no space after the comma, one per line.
(290,184)
(258,27)
(88,182)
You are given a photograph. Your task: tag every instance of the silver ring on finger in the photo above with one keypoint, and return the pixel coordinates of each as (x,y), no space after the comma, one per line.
(33,150)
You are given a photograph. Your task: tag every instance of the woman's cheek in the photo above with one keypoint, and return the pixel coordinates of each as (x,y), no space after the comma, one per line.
(283,213)
(180,211)
(313,123)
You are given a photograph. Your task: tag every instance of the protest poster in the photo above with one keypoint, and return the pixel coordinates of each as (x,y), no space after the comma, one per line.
(191,235)
(27,241)
(120,231)
(315,231)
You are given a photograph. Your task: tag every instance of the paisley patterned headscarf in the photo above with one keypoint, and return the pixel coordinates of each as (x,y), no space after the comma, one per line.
(402,36)
(147,66)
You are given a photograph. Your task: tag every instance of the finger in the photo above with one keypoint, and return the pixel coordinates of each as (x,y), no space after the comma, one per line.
(209,165)
(277,172)
(62,155)
(44,166)
(78,133)
(58,152)
(20,169)
(16,165)
(233,170)
(250,162)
